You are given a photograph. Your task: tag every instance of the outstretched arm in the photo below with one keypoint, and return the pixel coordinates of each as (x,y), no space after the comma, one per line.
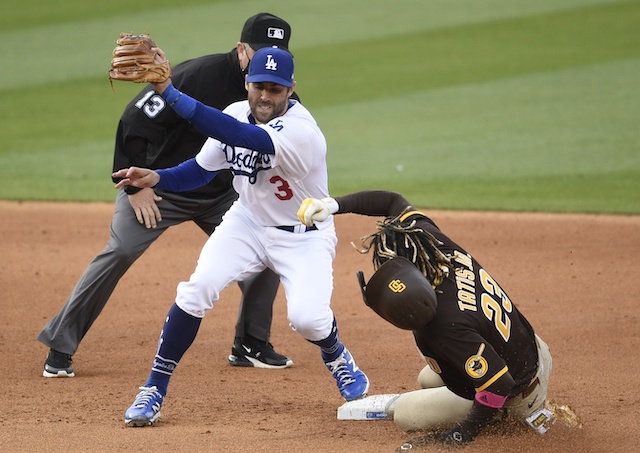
(181,178)
(367,202)
(211,121)
(136,177)
(372,203)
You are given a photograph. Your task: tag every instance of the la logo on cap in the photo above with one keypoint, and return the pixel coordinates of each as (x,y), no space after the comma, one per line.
(271,63)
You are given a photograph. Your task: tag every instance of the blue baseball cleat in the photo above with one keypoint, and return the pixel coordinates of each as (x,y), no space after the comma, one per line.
(352,382)
(145,410)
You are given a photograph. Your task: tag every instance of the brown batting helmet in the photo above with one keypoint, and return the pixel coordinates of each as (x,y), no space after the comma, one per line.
(399,293)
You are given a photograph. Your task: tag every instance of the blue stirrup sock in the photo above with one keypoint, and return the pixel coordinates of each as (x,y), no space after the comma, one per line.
(178,333)
(331,346)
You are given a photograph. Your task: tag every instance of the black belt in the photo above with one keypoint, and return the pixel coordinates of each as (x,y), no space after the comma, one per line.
(292,228)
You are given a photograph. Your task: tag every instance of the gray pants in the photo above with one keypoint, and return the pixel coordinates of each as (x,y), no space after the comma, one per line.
(129,239)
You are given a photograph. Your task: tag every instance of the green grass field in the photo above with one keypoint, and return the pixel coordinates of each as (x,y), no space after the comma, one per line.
(458,104)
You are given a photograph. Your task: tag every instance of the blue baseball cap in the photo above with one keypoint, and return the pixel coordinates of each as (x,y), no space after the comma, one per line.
(272,64)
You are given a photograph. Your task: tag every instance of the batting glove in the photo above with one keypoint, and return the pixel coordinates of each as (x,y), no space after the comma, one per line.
(314,210)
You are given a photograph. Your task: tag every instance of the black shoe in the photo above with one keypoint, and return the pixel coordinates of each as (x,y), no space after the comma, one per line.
(251,352)
(58,364)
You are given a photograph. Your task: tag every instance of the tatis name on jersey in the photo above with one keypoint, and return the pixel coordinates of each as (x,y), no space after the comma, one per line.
(465,282)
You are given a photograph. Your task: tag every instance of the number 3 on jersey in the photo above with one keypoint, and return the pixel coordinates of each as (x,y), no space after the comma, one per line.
(284,189)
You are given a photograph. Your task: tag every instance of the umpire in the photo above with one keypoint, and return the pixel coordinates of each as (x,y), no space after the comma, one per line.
(150,134)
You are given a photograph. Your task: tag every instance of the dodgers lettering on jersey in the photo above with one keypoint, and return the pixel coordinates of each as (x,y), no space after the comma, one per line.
(273,186)
(246,162)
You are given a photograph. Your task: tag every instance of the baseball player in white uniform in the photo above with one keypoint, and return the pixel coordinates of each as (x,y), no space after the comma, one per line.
(277,153)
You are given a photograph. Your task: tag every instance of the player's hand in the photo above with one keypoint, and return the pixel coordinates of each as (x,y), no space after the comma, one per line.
(160,58)
(145,207)
(136,177)
(416,443)
(455,437)
(315,210)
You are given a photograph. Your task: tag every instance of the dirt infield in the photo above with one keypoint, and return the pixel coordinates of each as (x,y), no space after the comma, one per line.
(573,276)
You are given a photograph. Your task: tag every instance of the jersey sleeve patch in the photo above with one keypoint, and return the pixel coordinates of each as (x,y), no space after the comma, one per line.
(477,366)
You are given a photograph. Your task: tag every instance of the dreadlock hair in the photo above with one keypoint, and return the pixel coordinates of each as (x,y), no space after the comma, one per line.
(395,238)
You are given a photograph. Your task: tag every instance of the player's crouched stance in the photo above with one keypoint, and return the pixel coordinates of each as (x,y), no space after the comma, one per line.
(285,163)
(485,362)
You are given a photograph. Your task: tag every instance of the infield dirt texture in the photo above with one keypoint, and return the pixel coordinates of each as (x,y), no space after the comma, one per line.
(496,105)
(574,276)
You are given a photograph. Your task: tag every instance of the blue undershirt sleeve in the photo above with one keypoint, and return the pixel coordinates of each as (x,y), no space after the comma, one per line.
(186,176)
(219,125)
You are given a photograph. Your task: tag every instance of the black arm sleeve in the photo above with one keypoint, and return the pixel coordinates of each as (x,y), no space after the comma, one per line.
(478,417)
(372,203)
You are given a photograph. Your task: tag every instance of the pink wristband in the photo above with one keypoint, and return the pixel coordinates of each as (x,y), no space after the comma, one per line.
(490,399)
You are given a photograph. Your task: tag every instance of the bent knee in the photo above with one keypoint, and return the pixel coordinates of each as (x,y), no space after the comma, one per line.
(435,408)
(120,253)
(428,378)
(313,329)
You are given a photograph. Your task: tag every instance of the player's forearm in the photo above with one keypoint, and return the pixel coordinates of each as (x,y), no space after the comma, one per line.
(477,419)
(186,176)
(372,203)
(216,124)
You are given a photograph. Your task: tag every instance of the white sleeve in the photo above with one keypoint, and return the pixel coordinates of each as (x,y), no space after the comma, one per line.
(296,144)
(211,157)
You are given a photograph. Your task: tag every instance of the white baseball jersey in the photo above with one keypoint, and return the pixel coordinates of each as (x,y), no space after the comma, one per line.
(273,186)
(271,189)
